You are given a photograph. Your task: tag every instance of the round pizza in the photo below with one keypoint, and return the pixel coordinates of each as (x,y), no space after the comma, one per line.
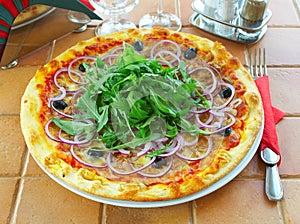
(141,115)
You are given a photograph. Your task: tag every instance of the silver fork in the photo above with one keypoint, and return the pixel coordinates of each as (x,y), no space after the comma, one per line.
(259,68)
(273,187)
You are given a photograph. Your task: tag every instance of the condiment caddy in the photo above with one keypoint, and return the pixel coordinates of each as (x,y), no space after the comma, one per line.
(243,21)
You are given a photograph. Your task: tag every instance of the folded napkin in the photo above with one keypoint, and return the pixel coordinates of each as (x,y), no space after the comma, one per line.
(88,4)
(272,116)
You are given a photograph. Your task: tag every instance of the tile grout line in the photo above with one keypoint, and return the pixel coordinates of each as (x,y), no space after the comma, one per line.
(194,211)
(280,214)
(283,211)
(103,214)
(51,50)
(297,8)
(14,210)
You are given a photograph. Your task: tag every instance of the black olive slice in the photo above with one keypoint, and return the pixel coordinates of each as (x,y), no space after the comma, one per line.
(190,53)
(81,68)
(138,45)
(59,104)
(159,162)
(226,92)
(95,152)
(226,132)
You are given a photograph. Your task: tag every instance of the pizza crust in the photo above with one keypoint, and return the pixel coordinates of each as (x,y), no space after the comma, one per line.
(86,179)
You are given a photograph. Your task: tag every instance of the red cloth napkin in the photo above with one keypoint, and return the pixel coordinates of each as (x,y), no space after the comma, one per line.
(272,116)
(88,4)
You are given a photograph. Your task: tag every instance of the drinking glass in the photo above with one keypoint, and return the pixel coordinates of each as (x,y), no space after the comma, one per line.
(115,9)
(161,18)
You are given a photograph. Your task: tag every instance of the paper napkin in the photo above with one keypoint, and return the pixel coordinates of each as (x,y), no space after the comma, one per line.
(272,116)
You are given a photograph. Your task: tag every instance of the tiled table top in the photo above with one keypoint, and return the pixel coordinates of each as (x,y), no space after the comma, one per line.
(28,195)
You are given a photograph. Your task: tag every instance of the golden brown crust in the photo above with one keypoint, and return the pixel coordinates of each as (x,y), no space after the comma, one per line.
(61,165)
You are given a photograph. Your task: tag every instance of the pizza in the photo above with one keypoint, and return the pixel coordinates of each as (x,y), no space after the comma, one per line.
(141,115)
(30,13)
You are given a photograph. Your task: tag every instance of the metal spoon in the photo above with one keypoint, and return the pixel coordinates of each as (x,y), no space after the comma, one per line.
(273,185)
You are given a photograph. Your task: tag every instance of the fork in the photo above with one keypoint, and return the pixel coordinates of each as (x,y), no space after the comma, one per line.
(260,69)
(273,187)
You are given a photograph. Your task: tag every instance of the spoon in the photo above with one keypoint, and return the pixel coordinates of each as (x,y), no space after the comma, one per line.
(273,185)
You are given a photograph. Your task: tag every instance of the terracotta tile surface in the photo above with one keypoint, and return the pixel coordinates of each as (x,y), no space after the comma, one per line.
(290,209)
(283,13)
(12,146)
(288,134)
(283,47)
(12,86)
(7,195)
(62,205)
(281,79)
(240,201)
(33,168)
(28,195)
(171,214)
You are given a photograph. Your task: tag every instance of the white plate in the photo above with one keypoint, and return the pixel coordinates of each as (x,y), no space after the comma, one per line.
(133,204)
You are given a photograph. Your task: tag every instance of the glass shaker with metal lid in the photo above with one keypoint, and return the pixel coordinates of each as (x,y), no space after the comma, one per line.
(254,10)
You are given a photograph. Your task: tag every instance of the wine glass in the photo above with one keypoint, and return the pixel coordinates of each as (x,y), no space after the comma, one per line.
(114,9)
(79,18)
(161,18)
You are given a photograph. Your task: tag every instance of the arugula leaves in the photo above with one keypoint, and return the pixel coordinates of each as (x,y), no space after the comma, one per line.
(135,101)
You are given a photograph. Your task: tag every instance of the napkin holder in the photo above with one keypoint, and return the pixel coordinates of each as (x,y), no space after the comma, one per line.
(58,23)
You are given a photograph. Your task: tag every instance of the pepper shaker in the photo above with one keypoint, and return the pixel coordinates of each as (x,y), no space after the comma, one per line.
(254,10)
(252,13)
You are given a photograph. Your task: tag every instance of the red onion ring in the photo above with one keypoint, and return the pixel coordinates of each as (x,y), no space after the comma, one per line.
(158,174)
(58,97)
(124,151)
(48,133)
(229,98)
(194,142)
(109,163)
(176,145)
(146,149)
(57,73)
(214,84)
(60,112)
(71,142)
(161,52)
(109,57)
(205,124)
(83,162)
(70,70)
(165,41)
(232,118)
(209,149)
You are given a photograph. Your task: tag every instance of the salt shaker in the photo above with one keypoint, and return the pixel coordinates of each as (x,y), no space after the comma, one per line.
(209,9)
(226,12)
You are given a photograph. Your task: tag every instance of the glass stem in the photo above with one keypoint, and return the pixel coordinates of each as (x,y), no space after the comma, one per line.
(116,19)
(159,7)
